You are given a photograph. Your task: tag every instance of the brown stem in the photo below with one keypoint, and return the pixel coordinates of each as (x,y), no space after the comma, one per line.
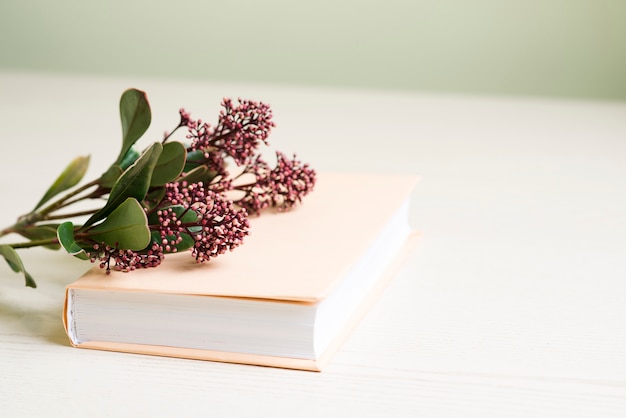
(7,231)
(34,243)
(63,202)
(70,215)
(168,136)
(32,218)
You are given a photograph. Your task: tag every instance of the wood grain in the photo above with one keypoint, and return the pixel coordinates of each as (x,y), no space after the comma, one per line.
(512,304)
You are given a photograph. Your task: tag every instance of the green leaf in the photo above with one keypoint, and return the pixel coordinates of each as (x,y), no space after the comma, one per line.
(136,117)
(12,258)
(15,262)
(194,159)
(114,172)
(170,164)
(110,176)
(130,157)
(195,175)
(41,232)
(153,198)
(69,178)
(125,228)
(186,217)
(134,182)
(65,234)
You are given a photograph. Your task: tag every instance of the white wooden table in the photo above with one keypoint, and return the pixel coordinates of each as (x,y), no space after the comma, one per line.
(513,304)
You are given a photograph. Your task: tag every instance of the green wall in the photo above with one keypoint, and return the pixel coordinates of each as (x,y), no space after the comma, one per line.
(562,48)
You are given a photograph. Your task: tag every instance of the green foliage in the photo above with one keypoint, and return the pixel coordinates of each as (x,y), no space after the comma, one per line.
(197,174)
(65,235)
(108,179)
(46,232)
(122,221)
(194,159)
(15,262)
(170,164)
(113,173)
(125,228)
(130,157)
(134,182)
(69,178)
(195,170)
(153,198)
(136,117)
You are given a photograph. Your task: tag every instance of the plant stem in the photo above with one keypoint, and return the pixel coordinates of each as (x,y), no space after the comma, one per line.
(170,134)
(34,243)
(70,215)
(63,202)
(32,218)
(7,231)
(92,195)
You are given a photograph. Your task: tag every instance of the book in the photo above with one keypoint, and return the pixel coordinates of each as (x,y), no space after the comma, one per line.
(285,298)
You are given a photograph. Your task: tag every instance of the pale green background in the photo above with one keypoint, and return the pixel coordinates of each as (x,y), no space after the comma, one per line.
(562,48)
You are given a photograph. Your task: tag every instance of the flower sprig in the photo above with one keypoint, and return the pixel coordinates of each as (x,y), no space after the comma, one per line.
(175,195)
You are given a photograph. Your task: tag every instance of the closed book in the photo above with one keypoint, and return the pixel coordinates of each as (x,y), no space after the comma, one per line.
(287,297)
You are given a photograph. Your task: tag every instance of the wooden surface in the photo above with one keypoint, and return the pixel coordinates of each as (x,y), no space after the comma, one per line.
(513,304)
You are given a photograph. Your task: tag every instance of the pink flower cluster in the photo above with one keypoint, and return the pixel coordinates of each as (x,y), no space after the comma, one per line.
(239,131)
(126,260)
(218,226)
(281,187)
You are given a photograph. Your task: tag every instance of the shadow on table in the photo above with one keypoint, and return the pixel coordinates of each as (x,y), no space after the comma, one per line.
(29,320)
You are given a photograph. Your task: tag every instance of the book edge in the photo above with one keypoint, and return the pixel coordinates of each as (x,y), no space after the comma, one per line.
(315,365)
(206,355)
(371,298)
